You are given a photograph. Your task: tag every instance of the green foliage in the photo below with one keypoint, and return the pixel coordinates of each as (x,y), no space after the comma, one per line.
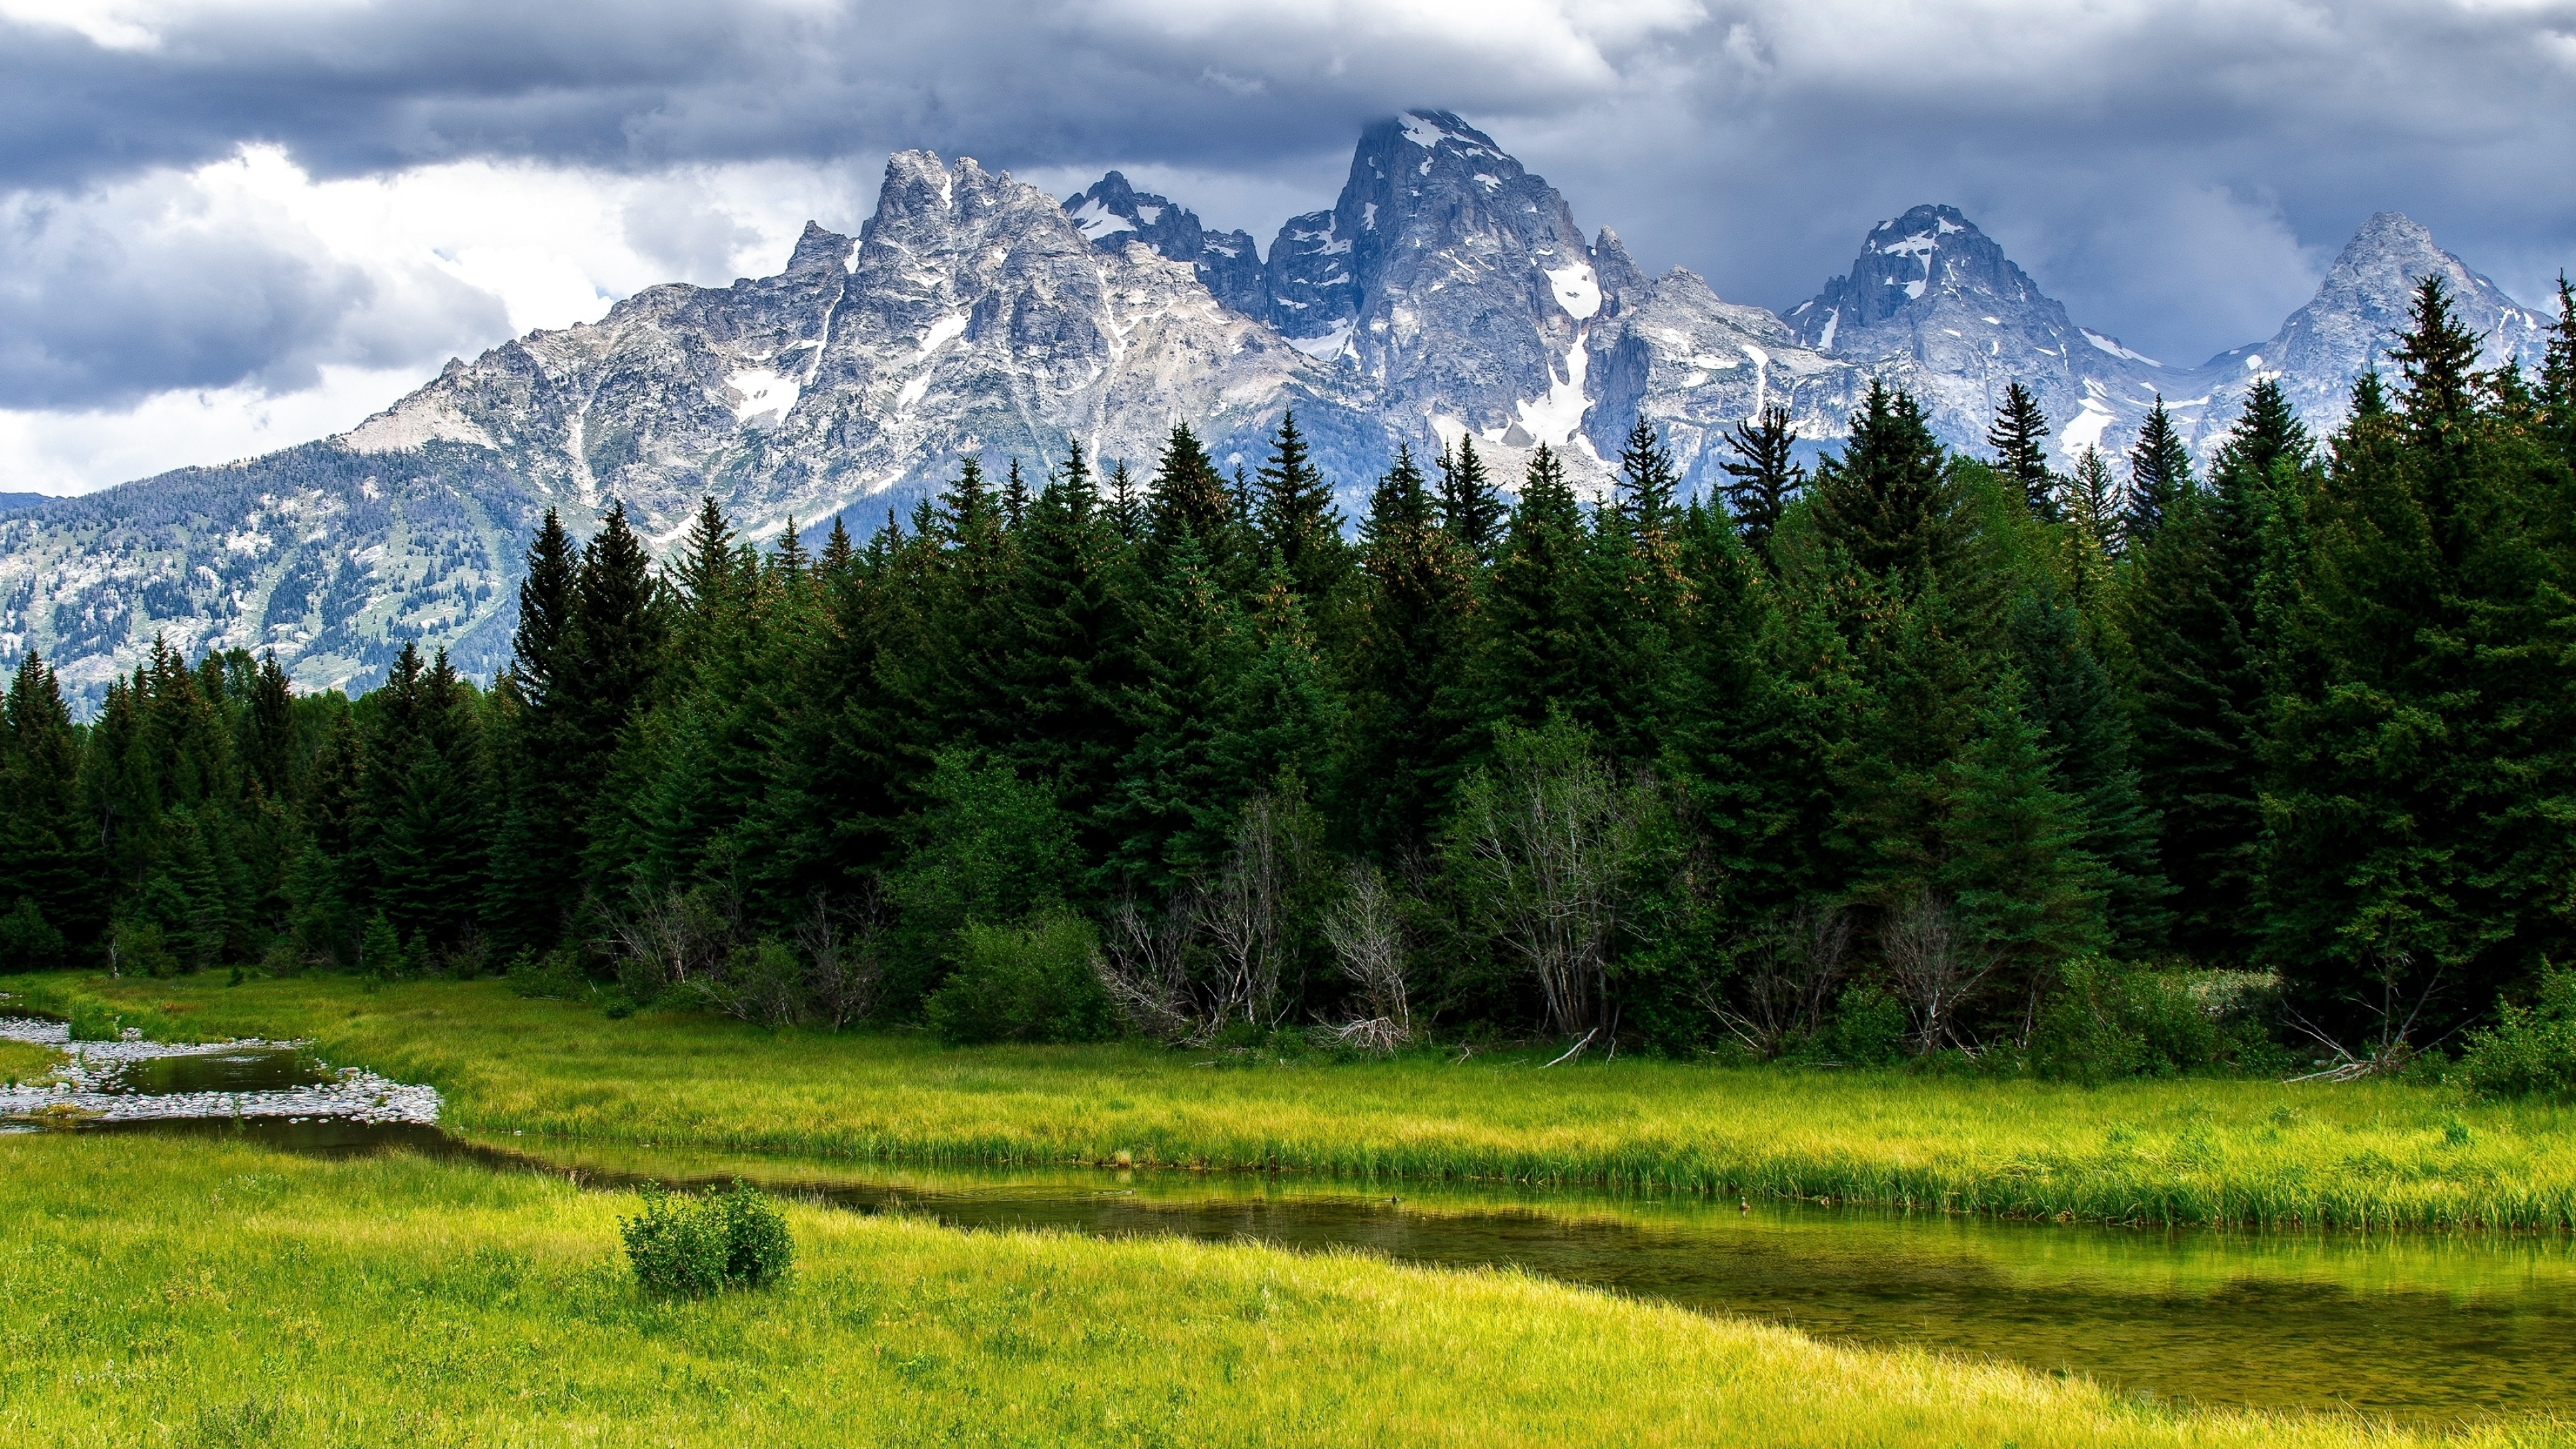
(684,1247)
(1030,983)
(29,942)
(675,1245)
(1868,1028)
(555,975)
(991,849)
(2531,1050)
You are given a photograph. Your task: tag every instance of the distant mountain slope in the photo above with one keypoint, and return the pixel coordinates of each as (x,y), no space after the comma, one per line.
(1448,292)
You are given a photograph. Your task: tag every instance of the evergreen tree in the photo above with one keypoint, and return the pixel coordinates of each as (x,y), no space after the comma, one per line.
(1765,477)
(1405,669)
(47,859)
(1126,505)
(2016,861)
(2019,436)
(1471,508)
(1190,497)
(2159,478)
(2420,745)
(1069,654)
(1297,517)
(2086,738)
(1888,501)
(1015,498)
(1534,651)
(2558,378)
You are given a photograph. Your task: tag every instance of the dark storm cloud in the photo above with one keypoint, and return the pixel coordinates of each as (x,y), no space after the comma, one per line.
(2176,172)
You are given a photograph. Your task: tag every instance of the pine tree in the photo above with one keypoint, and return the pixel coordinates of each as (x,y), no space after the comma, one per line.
(1765,477)
(47,858)
(1471,508)
(2019,436)
(2159,478)
(2029,890)
(1172,807)
(2086,738)
(1015,498)
(1416,602)
(1297,517)
(2558,378)
(1069,652)
(1189,496)
(1887,502)
(1534,651)
(2420,742)
(1637,595)
(1126,504)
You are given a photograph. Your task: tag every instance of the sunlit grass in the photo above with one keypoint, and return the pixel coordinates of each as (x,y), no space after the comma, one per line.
(203,1293)
(25,1062)
(2359,1154)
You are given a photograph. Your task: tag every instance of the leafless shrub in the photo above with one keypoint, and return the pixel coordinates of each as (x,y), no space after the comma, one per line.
(1550,844)
(2391,1046)
(1934,966)
(1244,913)
(1143,963)
(670,937)
(1791,974)
(1367,932)
(843,946)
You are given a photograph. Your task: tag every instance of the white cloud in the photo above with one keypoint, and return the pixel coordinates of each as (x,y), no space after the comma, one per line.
(196,317)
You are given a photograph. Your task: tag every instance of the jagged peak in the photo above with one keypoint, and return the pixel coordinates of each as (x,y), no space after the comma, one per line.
(818,247)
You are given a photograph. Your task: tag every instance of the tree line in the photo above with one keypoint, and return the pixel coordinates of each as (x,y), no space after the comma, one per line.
(1913,752)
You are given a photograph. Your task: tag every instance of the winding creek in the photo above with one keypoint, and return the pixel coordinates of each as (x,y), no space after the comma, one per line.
(2422,1327)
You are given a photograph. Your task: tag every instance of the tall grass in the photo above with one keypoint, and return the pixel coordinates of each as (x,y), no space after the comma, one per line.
(2369,1154)
(204,1293)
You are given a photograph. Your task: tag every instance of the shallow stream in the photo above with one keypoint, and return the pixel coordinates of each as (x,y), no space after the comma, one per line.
(2418,1326)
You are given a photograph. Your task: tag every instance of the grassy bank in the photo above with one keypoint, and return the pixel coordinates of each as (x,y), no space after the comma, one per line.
(23,1062)
(212,1294)
(2376,1154)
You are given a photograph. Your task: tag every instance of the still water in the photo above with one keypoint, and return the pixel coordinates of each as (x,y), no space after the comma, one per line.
(2419,1327)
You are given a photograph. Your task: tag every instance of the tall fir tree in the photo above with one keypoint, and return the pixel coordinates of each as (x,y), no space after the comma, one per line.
(1472,510)
(2019,436)
(1888,501)
(2159,478)
(1765,475)
(1404,672)
(1297,517)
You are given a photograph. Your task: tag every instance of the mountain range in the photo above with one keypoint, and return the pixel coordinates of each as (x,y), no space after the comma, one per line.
(1448,292)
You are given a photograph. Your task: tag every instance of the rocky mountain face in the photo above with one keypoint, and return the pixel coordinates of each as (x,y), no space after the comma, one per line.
(1448,292)
(2348,327)
(1933,304)
(1112,213)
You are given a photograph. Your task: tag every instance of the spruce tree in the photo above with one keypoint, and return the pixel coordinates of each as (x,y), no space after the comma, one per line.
(1764,475)
(2420,745)
(1126,504)
(1534,651)
(1888,501)
(47,857)
(2019,436)
(2031,893)
(2558,378)
(1015,498)
(2159,477)
(1416,600)
(2087,739)
(1189,496)
(1297,517)
(1471,508)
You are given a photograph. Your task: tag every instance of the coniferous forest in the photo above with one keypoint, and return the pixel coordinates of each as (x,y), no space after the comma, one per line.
(2153,766)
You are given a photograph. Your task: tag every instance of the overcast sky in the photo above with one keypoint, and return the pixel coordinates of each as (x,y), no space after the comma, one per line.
(230,225)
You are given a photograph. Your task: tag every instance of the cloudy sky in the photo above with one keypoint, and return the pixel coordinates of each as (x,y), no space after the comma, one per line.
(229,225)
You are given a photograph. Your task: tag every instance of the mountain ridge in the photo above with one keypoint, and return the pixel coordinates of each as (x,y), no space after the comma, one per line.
(1447,293)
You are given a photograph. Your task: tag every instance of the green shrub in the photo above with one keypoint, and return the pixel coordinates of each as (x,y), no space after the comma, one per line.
(92,1021)
(684,1247)
(1023,983)
(2530,1051)
(140,948)
(1868,1028)
(555,976)
(2108,1020)
(759,1250)
(29,942)
(380,952)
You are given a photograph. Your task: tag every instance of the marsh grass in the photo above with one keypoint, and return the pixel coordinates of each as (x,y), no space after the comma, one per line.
(2360,1154)
(207,1293)
(26,1062)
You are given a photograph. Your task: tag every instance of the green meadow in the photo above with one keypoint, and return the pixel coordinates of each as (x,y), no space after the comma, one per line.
(2220,1151)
